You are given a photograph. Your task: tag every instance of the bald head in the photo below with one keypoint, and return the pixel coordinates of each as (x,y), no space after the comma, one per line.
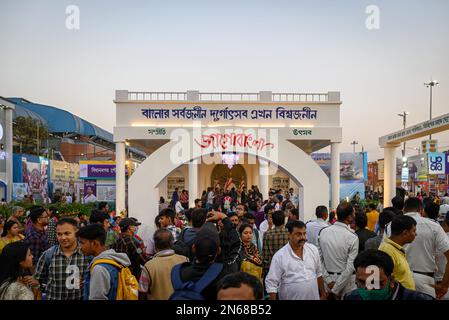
(163,239)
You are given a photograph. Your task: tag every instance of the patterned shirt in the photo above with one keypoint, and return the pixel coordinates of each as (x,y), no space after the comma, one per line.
(51,232)
(127,244)
(273,240)
(37,241)
(175,231)
(63,276)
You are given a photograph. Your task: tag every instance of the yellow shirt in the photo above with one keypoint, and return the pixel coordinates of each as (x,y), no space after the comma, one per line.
(372,216)
(401,271)
(5,241)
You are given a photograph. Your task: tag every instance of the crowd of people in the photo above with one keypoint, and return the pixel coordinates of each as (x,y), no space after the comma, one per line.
(230,245)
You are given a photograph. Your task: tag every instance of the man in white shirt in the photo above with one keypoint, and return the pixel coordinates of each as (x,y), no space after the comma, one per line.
(68,198)
(295,270)
(178,207)
(338,246)
(90,197)
(430,240)
(267,224)
(314,227)
(210,198)
(441,259)
(444,208)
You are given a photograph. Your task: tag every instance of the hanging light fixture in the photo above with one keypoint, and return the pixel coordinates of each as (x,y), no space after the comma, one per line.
(230,159)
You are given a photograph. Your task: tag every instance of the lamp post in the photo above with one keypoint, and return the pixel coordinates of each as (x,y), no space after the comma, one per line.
(430,84)
(404,115)
(354,143)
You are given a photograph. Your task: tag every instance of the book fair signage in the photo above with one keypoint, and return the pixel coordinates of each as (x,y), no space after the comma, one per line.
(298,132)
(230,140)
(157,131)
(198,113)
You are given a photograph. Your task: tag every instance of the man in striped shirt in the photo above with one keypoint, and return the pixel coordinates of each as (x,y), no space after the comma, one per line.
(60,268)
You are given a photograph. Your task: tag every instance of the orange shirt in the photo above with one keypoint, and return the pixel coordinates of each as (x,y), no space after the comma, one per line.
(372,216)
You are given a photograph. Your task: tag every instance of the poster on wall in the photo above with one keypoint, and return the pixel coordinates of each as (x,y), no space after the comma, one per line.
(34,172)
(352,167)
(380,169)
(19,191)
(90,191)
(173,183)
(106,193)
(282,183)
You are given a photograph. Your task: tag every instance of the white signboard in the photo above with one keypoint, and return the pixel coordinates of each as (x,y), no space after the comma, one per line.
(437,163)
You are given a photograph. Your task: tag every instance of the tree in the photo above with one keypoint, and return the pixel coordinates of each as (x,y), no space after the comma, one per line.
(28,134)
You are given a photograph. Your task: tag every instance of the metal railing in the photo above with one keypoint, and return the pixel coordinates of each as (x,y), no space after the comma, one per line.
(226,96)
(157,96)
(300,97)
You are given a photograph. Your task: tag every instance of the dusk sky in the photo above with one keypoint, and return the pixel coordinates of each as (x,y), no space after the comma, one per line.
(232,46)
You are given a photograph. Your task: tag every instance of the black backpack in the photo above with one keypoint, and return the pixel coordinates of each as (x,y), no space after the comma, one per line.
(192,290)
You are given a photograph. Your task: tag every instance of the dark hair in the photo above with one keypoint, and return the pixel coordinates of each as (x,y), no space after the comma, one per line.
(372,206)
(361,220)
(401,223)
(199,217)
(235,280)
(102,205)
(344,210)
(163,239)
(232,214)
(278,218)
(67,220)
(249,216)
(295,212)
(398,202)
(197,200)
(81,214)
(98,216)
(8,225)
(156,221)
(432,210)
(168,212)
(412,205)
(54,211)
(36,213)
(206,249)
(245,207)
(295,224)
(267,208)
(244,226)
(375,258)
(10,258)
(320,211)
(92,232)
(385,218)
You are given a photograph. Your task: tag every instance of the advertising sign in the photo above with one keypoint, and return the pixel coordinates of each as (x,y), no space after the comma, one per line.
(97,169)
(90,191)
(437,163)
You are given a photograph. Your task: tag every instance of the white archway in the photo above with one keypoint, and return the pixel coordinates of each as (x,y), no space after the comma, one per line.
(143,195)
